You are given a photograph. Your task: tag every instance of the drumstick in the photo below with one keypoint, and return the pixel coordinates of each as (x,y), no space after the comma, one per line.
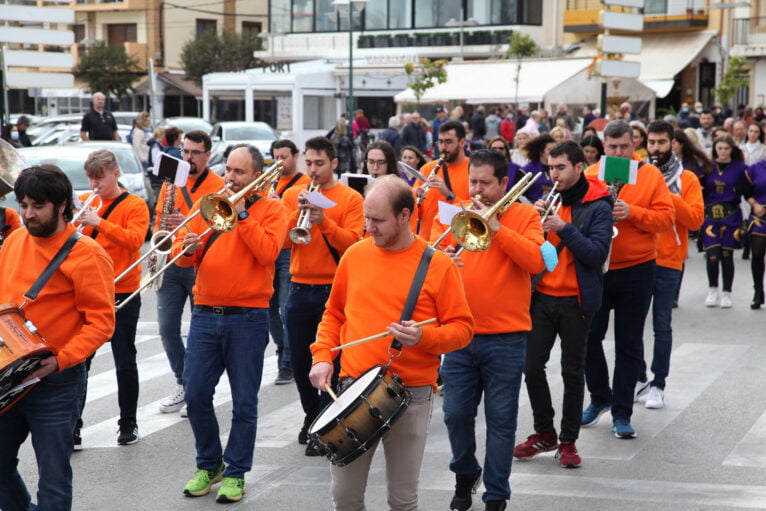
(329,391)
(379,336)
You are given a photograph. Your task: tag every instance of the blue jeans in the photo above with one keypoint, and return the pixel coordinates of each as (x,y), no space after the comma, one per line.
(48,412)
(305,306)
(492,365)
(666,282)
(278,308)
(177,284)
(629,292)
(234,343)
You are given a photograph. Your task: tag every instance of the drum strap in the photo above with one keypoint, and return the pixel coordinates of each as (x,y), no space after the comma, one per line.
(52,266)
(417,285)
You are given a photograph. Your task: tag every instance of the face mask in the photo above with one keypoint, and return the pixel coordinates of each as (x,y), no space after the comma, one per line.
(685,109)
(698,110)
(14,135)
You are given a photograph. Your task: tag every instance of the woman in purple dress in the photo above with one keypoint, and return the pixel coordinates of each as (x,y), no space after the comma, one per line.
(537,152)
(756,197)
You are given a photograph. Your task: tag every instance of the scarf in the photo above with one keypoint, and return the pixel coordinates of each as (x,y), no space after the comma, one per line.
(576,192)
(672,170)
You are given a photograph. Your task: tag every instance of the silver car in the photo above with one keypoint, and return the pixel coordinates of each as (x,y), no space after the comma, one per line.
(230,133)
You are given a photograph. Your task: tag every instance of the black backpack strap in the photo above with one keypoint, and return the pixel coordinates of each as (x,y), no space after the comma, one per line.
(216,234)
(52,266)
(122,197)
(446,176)
(417,285)
(334,253)
(197,184)
(291,183)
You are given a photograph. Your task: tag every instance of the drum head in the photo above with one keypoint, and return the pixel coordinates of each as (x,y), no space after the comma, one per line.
(345,400)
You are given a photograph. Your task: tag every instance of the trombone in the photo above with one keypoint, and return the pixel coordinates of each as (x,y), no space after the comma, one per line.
(219,214)
(301,233)
(553,201)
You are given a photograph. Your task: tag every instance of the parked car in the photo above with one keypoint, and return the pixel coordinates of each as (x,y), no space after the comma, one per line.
(230,133)
(187,124)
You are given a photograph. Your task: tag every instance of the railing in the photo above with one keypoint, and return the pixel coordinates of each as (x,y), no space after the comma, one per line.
(750,31)
(652,7)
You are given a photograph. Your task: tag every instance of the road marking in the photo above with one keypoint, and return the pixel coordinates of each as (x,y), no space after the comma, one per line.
(105,383)
(750,451)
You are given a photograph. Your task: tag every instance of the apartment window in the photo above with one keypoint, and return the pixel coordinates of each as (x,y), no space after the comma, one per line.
(656,7)
(252,29)
(79,32)
(376,15)
(119,33)
(279,16)
(326,16)
(205,25)
(399,13)
(303,16)
(435,13)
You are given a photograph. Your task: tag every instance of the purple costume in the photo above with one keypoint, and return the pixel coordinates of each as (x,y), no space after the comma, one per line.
(721,191)
(756,174)
(542,186)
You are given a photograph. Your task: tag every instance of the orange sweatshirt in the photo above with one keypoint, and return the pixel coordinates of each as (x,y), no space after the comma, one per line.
(211,183)
(302,183)
(122,235)
(238,269)
(672,247)
(651,212)
(342,226)
(74,312)
(429,208)
(562,281)
(12,220)
(498,281)
(368,294)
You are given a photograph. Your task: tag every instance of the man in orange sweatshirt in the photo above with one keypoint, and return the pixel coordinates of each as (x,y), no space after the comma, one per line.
(368,296)
(74,313)
(641,212)
(229,327)
(120,226)
(672,251)
(313,265)
(492,364)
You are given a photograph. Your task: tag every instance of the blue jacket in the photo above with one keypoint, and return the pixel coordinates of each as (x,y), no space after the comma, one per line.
(391,136)
(590,244)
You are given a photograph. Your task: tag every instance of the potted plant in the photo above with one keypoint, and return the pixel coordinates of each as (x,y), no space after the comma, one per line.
(400,40)
(481,37)
(422,39)
(500,36)
(382,41)
(440,39)
(364,41)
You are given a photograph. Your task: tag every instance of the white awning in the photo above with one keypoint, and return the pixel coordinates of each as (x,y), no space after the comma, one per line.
(661,87)
(494,81)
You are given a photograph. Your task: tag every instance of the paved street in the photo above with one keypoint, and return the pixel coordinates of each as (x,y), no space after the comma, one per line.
(705,450)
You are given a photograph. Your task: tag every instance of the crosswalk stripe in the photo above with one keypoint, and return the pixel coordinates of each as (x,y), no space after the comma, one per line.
(106,348)
(105,383)
(750,451)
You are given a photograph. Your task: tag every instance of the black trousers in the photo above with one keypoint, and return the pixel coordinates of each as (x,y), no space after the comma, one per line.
(552,316)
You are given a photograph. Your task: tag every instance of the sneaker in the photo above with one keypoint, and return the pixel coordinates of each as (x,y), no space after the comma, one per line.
(623,429)
(77,440)
(284,376)
(726,300)
(535,444)
(174,401)
(184,411)
(656,398)
(440,384)
(591,414)
(202,481)
(567,454)
(128,432)
(642,387)
(494,505)
(232,489)
(303,436)
(465,486)
(712,297)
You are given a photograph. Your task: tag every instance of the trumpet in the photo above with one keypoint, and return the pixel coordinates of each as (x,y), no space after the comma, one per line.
(471,230)
(301,233)
(87,204)
(553,201)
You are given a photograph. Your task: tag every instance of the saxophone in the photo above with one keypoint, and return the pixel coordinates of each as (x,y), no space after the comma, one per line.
(161,250)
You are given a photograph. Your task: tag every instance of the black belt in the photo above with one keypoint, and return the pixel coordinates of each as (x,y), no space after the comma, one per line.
(720,210)
(223,311)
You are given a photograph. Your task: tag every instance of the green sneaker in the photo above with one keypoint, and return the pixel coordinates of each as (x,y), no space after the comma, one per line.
(202,482)
(232,489)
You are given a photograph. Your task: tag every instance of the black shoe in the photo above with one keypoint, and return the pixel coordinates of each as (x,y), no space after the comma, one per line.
(757,300)
(284,376)
(311,450)
(77,440)
(128,432)
(465,486)
(303,436)
(494,505)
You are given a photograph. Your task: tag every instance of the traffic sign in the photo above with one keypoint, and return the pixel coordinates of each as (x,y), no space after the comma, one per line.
(621,21)
(618,69)
(619,44)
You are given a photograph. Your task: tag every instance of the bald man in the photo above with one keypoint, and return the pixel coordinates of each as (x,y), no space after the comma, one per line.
(98,123)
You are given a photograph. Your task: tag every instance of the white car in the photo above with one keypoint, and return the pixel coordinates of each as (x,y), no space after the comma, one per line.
(231,133)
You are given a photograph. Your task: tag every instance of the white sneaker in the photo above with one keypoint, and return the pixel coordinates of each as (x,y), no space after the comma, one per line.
(655,399)
(174,401)
(184,412)
(726,300)
(712,298)
(642,387)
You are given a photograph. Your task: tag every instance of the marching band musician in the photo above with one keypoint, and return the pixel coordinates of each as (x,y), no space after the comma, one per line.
(119,226)
(286,151)
(229,325)
(493,362)
(313,265)
(9,222)
(565,300)
(74,312)
(368,294)
(177,281)
(447,184)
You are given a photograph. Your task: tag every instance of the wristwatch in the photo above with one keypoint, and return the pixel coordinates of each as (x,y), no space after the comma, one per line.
(243,215)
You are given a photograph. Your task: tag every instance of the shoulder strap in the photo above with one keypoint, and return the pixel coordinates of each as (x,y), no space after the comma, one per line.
(446,176)
(197,184)
(334,253)
(417,285)
(217,234)
(291,183)
(122,197)
(52,266)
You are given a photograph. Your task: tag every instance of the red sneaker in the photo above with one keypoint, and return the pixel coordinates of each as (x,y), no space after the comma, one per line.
(567,454)
(535,444)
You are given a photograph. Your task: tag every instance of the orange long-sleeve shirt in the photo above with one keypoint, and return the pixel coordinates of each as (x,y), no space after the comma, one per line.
(673,245)
(122,235)
(74,312)
(498,280)
(562,281)
(196,186)
(12,220)
(651,212)
(238,269)
(429,208)
(368,293)
(343,225)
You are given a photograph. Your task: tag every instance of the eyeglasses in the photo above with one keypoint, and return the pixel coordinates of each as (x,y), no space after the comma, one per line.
(376,163)
(187,152)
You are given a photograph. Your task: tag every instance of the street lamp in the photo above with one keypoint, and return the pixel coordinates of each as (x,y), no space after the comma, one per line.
(349,6)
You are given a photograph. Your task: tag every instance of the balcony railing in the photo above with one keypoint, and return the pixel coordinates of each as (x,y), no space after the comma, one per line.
(652,7)
(750,31)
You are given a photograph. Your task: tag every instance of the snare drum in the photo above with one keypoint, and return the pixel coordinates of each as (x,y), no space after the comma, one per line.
(365,410)
(21,350)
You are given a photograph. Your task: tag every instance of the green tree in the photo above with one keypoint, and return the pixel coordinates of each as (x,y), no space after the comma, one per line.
(109,69)
(736,75)
(211,52)
(424,75)
(520,46)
